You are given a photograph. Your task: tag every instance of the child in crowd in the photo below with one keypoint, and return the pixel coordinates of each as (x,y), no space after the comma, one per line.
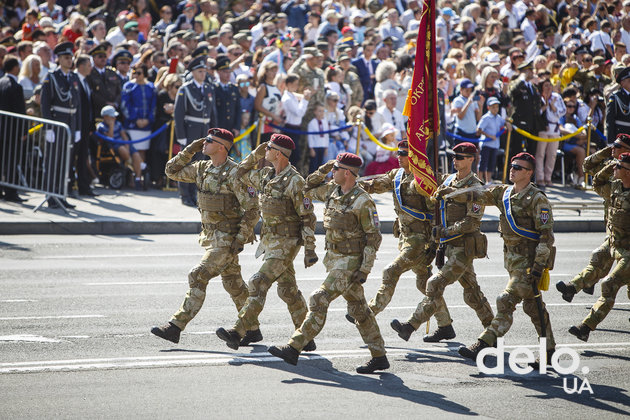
(317,143)
(110,127)
(384,160)
(488,127)
(335,119)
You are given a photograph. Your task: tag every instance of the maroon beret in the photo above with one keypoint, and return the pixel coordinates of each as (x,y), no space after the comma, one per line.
(466,148)
(526,157)
(624,157)
(403,145)
(282,140)
(623,138)
(349,159)
(223,136)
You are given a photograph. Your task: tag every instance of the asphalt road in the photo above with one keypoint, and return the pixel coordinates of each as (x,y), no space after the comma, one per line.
(75,314)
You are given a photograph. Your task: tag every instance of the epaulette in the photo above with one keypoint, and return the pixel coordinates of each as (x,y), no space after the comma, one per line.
(110,68)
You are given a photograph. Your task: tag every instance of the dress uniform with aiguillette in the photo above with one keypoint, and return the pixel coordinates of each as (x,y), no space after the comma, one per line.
(228,100)
(618,109)
(194,113)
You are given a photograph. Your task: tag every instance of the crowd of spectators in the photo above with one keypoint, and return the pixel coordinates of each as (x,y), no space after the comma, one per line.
(315,66)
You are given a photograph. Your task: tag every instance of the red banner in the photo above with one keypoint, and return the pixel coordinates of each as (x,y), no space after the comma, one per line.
(421,105)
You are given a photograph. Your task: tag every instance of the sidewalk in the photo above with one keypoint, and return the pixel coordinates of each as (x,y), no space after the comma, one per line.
(129,212)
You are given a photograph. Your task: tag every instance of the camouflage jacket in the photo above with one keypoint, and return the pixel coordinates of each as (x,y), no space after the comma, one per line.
(531,210)
(351,224)
(238,212)
(288,218)
(618,220)
(597,161)
(462,218)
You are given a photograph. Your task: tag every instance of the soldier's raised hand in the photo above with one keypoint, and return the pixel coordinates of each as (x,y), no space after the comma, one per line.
(197,145)
(260,151)
(444,191)
(310,257)
(327,167)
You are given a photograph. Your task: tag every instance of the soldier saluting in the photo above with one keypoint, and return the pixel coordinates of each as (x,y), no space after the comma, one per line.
(194,113)
(60,101)
(526,226)
(288,223)
(229,213)
(413,230)
(352,239)
(460,235)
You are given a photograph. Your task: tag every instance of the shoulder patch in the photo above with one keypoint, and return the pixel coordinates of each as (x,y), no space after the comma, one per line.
(251,191)
(307,203)
(544,216)
(476,208)
(375,217)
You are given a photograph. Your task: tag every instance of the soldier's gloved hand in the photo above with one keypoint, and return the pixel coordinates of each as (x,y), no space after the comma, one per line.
(260,151)
(197,145)
(438,232)
(536,273)
(237,246)
(359,277)
(327,167)
(310,257)
(444,191)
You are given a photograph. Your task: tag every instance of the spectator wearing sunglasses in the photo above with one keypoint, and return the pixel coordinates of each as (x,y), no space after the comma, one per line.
(576,145)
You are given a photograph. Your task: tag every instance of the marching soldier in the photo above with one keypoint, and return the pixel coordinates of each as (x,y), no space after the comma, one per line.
(617,193)
(618,107)
(352,239)
(601,164)
(288,223)
(227,97)
(60,101)
(413,230)
(526,226)
(194,112)
(105,85)
(462,242)
(229,212)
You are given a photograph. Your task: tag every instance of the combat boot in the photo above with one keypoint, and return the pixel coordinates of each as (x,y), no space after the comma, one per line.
(350,318)
(473,350)
(231,337)
(442,333)
(581,331)
(567,291)
(403,329)
(310,346)
(589,290)
(286,353)
(536,364)
(374,364)
(253,336)
(169,332)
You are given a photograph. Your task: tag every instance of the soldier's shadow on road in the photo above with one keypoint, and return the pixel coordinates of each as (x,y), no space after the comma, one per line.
(317,370)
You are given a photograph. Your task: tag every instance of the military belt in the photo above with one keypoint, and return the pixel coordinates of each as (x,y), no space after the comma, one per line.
(64,110)
(197,119)
(223,226)
(347,247)
(285,229)
(624,123)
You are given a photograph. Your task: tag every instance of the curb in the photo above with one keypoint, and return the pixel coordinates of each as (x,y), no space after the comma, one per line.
(128,227)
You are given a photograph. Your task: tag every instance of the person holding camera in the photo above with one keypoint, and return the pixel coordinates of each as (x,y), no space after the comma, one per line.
(466,108)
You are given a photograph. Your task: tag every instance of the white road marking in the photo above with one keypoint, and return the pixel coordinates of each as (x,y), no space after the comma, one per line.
(17,300)
(393,308)
(22,318)
(222,359)
(29,338)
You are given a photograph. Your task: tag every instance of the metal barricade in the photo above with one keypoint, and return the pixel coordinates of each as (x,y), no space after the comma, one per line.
(35,155)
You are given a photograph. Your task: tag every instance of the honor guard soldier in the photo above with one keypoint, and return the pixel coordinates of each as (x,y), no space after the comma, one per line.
(352,240)
(194,112)
(198,52)
(288,223)
(618,107)
(105,85)
(413,230)
(617,194)
(122,61)
(229,213)
(461,242)
(227,97)
(601,164)
(60,101)
(526,226)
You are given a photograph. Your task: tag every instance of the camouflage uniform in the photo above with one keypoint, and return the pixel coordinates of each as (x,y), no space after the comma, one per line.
(228,212)
(618,226)
(531,210)
(307,77)
(352,80)
(288,222)
(462,219)
(352,239)
(414,241)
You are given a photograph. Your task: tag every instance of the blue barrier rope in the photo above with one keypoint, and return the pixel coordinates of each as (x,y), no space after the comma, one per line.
(600,134)
(299,133)
(474,139)
(116,141)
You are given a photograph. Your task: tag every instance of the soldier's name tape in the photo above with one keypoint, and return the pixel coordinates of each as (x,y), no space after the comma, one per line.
(120,141)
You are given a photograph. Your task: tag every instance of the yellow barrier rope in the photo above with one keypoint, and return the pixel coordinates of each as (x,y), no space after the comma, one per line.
(36,128)
(245,133)
(375,140)
(532,137)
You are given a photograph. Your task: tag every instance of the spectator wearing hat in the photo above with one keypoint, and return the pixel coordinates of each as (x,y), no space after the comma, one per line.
(83,67)
(488,129)
(576,145)
(227,98)
(185,20)
(593,77)
(384,160)
(195,112)
(351,79)
(103,81)
(330,21)
(366,69)
(443,27)
(526,114)
(61,102)
(11,100)
(617,115)
(466,108)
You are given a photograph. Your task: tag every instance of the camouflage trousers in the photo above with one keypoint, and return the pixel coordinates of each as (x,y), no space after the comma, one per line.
(519,288)
(273,270)
(414,258)
(599,265)
(619,276)
(216,261)
(458,267)
(337,284)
